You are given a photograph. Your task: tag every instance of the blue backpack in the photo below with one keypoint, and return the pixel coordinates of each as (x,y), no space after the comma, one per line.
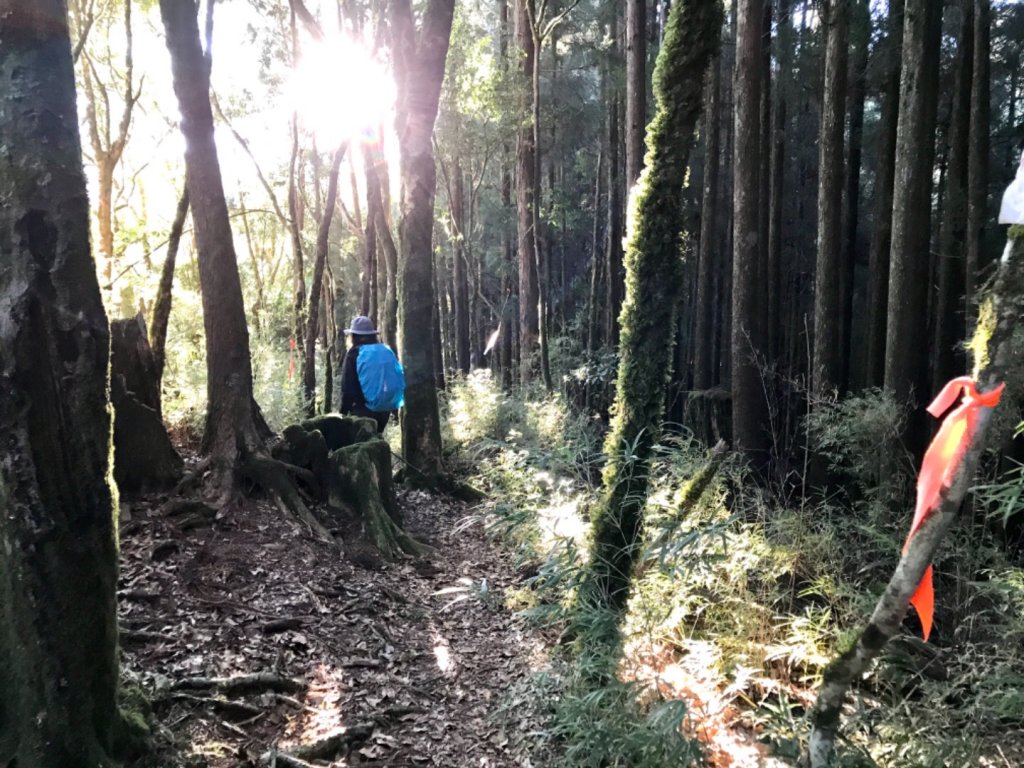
(381,377)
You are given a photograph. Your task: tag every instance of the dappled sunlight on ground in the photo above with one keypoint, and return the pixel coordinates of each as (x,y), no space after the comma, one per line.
(321,713)
(713,718)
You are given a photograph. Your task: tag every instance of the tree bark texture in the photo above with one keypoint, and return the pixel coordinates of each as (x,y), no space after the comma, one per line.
(826,370)
(636,87)
(613,255)
(749,406)
(906,353)
(144,458)
(704,326)
(461,279)
(58,551)
(162,305)
(860,34)
(234,427)
(777,168)
(978,157)
(419,66)
(529,326)
(881,234)
(654,267)
(948,359)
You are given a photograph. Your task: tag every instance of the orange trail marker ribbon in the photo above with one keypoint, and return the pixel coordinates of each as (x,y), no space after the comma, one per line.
(291,359)
(940,465)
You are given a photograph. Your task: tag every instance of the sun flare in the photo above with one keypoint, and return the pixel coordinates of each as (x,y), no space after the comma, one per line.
(341,91)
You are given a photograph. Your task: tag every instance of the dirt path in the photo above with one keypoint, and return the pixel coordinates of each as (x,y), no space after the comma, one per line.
(424,652)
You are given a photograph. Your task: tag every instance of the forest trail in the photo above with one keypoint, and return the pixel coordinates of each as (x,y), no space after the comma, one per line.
(423,652)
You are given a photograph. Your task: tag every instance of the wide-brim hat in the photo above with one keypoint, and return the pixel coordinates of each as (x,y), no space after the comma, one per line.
(361,326)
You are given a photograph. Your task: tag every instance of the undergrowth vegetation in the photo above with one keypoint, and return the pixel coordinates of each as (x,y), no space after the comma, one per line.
(741,600)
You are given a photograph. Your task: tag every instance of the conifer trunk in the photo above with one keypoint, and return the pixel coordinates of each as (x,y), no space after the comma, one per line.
(529,327)
(881,234)
(749,407)
(58,551)
(947,358)
(636,87)
(906,350)
(826,370)
(978,158)
(654,270)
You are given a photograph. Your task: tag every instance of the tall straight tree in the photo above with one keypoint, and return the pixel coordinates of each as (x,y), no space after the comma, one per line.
(947,358)
(827,366)
(885,169)
(906,347)
(58,562)
(860,39)
(636,87)
(777,167)
(526,186)
(978,155)
(654,276)
(703,334)
(419,58)
(749,407)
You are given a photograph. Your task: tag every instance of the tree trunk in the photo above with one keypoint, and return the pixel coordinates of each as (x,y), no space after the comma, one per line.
(295,219)
(144,458)
(636,87)
(906,349)
(826,371)
(459,276)
(885,174)
(235,430)
(529,328)
(978,157)
(315,290)
(614,268)
(749,408)
(541,262)
(777,181)
(58,562)
(707,249)
(162,305)
(594,324)
(419,68)
(654,276)
(860,21)
(948,359)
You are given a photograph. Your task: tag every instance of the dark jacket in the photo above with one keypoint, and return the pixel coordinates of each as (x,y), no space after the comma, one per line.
(352,397)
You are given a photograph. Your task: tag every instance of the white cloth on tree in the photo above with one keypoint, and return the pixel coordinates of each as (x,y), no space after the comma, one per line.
(1012,209)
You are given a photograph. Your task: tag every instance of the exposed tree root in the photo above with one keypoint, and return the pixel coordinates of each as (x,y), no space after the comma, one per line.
(241,684)
(272,475)
(331,747)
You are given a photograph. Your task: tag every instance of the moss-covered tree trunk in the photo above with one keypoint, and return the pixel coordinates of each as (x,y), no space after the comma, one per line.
(58,549)
(654,266)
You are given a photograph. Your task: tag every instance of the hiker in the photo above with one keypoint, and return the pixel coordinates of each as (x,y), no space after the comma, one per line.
(372,381)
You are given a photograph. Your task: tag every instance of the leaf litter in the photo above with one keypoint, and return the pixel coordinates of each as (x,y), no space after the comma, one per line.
(249,635)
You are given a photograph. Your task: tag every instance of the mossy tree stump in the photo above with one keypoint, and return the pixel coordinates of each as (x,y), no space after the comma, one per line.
(350,470)
(144,457)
